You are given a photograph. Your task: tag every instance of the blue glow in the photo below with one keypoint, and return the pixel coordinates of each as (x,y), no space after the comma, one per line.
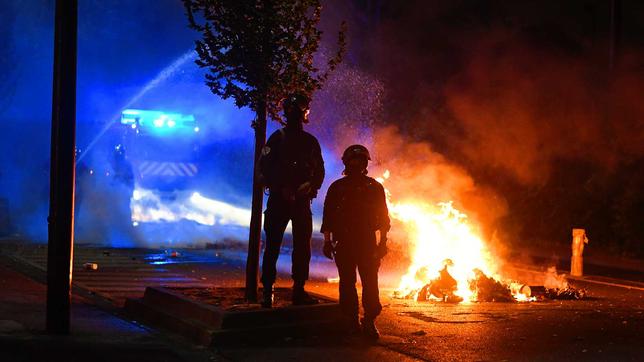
(120,95)
(159,122)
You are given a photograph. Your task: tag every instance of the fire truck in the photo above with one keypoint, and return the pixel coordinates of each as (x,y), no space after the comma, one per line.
(163,150)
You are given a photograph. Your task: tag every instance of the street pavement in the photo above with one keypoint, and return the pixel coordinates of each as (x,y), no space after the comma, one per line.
(606,326)
(96,334)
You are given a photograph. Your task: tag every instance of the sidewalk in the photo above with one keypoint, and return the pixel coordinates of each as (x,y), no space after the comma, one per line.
(95,336)
(98,335)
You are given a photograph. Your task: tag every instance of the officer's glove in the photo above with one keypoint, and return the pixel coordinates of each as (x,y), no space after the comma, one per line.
(381,251)
(328,250)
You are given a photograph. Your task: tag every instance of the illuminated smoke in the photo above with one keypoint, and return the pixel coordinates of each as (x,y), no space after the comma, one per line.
(163,75)
(147,207)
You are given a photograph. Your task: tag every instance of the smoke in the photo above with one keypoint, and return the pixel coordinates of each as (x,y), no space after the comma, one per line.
(121,61)
(520,109)
(482,103)
(519,96)
(418,172)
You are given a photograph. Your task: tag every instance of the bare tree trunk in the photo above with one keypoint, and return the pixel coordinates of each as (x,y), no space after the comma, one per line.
(255,233)
(63,143)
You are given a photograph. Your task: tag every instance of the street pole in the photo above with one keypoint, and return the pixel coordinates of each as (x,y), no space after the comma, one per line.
(63,144)
(255,232)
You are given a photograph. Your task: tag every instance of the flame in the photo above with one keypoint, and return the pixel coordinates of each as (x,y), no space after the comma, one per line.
(439,236)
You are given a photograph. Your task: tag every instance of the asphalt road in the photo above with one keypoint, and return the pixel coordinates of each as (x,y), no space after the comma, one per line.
(607,326)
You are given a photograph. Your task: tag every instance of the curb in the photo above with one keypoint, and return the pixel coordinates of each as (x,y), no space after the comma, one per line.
(209,325)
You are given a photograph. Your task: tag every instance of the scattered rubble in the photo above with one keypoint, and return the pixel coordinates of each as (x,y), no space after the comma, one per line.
(490,290)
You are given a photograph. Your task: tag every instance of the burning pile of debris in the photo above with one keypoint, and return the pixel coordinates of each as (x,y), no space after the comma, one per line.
(487,289)
(450,261)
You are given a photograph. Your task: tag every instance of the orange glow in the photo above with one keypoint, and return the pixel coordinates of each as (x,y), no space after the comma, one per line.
(439,235)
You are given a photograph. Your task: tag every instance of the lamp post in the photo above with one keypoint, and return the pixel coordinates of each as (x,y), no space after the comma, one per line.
(63,144)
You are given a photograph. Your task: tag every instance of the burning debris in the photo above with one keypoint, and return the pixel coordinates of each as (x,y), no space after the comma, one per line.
(450,262)
(567,293)
(442,287)
(487,289)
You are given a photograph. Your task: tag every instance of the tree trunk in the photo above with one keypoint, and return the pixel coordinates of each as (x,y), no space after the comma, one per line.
(63,143)
(255,233)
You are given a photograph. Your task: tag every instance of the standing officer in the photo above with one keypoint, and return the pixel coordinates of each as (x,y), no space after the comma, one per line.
(354,209)
(292,168)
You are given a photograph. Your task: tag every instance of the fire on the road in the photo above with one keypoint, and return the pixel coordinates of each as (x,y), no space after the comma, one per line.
(448,255)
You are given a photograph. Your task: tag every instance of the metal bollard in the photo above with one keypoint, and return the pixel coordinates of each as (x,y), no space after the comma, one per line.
(577,261)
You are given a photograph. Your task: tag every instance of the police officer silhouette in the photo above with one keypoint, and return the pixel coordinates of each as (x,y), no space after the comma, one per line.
(292,168)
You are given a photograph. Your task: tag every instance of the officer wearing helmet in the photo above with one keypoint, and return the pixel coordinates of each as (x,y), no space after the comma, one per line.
(292,168)
(354,209)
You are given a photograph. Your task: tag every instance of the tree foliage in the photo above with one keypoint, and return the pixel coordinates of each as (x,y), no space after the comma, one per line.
(258,51)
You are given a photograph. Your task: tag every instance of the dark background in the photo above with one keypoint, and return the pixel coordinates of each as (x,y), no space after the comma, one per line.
(522,95)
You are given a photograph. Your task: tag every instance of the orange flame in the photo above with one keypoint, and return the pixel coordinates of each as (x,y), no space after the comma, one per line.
(436,233)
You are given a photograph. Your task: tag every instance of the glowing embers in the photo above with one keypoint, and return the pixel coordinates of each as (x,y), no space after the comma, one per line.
(149,207)
(442,287)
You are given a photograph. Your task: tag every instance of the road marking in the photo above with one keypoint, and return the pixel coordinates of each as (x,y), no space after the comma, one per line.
(607,283)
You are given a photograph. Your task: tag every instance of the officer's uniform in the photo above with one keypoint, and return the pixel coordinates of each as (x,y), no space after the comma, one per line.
(354,208)
(290,158)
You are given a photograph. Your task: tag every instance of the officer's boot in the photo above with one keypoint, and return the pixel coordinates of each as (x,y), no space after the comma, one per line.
(369,329)
(301,297)
(350,326)
(267,296)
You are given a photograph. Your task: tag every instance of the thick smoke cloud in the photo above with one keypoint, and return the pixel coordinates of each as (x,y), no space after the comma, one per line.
(420,173)
(520,109)
(520,96)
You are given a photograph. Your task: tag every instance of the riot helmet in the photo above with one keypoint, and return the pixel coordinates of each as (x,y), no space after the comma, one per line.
(355,151)
(296,107)
(355,159)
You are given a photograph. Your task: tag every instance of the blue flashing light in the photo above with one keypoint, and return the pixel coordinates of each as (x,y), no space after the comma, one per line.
(158,122)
